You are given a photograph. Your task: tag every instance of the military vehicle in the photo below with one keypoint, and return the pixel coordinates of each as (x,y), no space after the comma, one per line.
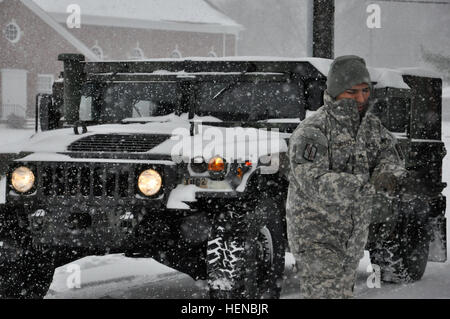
(184,161)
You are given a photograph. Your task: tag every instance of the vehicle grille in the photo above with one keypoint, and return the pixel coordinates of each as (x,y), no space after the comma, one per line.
(118,143)
(87,179)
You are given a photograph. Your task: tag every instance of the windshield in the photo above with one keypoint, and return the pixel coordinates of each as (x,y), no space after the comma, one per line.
(249,101)
(111,103)
(235,101)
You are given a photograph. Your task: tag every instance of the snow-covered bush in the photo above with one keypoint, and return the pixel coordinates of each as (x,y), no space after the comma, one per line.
(16,121)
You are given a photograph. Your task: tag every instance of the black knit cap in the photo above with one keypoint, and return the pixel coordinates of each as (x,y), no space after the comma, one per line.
(345,72)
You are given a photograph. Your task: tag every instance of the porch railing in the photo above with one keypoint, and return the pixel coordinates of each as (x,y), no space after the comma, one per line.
(8,109)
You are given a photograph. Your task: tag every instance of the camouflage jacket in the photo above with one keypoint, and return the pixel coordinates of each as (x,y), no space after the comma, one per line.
(333,156)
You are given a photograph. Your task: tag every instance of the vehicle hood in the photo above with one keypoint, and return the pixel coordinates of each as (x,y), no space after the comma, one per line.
(207,140)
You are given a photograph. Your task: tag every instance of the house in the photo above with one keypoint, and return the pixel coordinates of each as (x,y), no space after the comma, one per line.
(34,32)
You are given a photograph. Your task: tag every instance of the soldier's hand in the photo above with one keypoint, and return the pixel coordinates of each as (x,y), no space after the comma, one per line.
(385,182)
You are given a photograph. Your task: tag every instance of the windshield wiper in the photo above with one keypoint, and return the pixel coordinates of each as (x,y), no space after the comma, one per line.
(230,86)
(137,110)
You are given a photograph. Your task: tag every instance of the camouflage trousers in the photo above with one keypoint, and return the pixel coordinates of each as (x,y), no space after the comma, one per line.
(325,274)
(327,271)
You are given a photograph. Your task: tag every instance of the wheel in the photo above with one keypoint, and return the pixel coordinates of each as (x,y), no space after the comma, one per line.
(248,261)
(27,277)
(403,255)
(25,273)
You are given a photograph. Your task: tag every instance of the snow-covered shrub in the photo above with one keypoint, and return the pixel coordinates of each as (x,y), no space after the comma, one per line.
(16,121)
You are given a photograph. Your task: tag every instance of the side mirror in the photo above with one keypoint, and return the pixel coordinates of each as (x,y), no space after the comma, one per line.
(48,115)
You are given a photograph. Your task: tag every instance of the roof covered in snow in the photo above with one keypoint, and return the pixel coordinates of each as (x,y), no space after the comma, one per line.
(180,15)
(427,73)
(383,77)
(30,4)
(387,78)
(446,92)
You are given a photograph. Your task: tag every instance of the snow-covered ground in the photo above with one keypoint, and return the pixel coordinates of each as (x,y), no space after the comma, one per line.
(115,276)
(12,139)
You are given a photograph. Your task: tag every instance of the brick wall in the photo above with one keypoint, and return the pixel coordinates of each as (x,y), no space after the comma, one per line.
(117,43)
(36,51)
(39,46)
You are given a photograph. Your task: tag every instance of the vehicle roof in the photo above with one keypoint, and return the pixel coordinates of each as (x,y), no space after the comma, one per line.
(382,77)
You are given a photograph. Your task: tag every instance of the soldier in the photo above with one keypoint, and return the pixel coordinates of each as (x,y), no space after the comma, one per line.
(344,166)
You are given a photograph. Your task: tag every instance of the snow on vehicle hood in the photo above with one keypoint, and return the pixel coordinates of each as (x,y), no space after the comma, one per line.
(208,141)
(57,141)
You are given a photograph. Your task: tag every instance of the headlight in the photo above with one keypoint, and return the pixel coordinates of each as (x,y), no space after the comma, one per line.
(149,182)
(22,179)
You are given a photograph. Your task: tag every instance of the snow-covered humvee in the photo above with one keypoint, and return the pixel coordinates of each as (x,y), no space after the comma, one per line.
(185,161)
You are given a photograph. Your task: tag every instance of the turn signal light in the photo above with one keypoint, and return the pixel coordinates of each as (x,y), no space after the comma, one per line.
(216,164)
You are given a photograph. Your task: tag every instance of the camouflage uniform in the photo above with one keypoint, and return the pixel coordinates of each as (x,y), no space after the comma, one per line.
(333,157)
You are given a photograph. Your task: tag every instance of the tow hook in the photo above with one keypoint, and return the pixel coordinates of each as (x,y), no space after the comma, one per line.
(37,220)
(127,222)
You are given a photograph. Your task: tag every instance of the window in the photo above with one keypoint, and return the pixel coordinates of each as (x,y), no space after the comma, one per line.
(176,54)
(246,101)
(118,101)
(137,53)
(86,108)
(212,53)
(12,32)
(98,51)
(45,83)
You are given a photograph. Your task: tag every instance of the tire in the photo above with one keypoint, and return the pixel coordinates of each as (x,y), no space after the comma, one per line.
(28,277)
(403,255)
(248,264)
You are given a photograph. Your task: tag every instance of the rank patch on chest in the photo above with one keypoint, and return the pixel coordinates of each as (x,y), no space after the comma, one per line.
(310,152)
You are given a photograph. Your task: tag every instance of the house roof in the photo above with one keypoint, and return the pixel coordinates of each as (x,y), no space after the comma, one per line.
(80,46)
(176,15)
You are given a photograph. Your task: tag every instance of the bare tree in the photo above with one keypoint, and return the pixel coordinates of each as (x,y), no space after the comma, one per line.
(439,61)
